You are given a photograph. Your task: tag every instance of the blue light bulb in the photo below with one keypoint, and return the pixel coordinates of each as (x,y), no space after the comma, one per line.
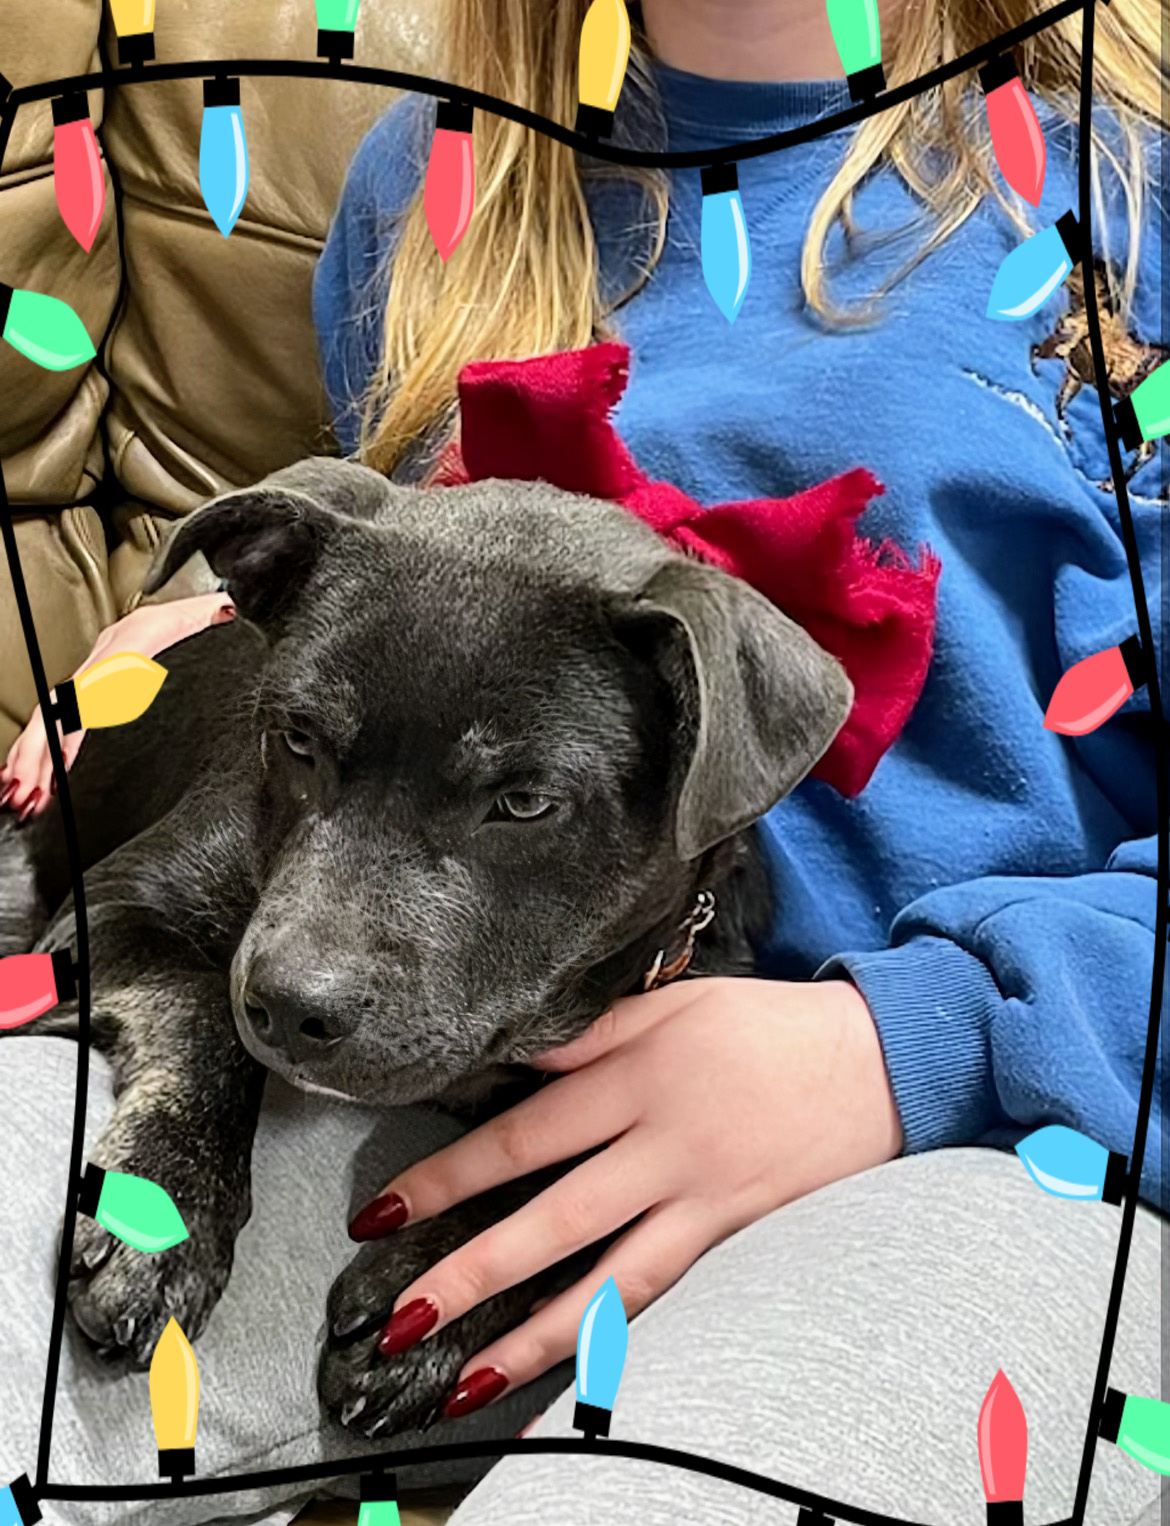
(1068,1164)
(727,250)
(18,1505)
(1031,273)
(601,1354)
(223,153)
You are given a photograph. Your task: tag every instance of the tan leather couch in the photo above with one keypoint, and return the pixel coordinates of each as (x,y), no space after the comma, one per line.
(208,375)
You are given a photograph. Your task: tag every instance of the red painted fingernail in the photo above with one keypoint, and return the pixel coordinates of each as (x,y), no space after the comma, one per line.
(477,1389)
(408,1326)
(379,1217)
(30,804)
(6,791)
(222,615)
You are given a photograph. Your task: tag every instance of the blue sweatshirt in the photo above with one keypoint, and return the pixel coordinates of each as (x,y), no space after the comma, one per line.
(992,891)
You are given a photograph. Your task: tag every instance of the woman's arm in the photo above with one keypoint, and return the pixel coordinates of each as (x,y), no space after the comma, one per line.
(26,779)
(1007,1002)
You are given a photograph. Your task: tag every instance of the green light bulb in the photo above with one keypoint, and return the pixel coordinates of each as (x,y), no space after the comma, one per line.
(336,20)
(379,1506)
(45,329)
(857,33)
(1145,413)
(1138,1426)
(137,1211)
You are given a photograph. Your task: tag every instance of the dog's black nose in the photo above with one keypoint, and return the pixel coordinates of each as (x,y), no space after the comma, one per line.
(289,1014)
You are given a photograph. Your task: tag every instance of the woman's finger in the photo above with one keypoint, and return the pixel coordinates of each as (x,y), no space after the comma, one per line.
(24,765)
(595,1198)
(647,1260)
(556,1123)
(629,1017)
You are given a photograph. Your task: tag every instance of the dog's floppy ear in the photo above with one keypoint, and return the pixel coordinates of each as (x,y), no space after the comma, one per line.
(265,540)
(760,700)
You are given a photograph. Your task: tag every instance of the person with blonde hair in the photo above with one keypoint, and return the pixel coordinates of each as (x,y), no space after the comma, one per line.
(960,955)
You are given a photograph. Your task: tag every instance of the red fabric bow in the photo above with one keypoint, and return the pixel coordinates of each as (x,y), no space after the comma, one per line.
(869,607)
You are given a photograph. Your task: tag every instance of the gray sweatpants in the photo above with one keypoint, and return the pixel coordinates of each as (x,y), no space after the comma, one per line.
(845,1344)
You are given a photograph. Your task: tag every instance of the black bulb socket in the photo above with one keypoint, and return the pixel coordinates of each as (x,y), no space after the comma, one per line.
(90,1192)
(1135,667)
(1070,236)
(591,1419)
(334,44)
(176,1462)
(1125,417)
(221,92)
(866,83)
(25,1500)
(65,708)
(454,116)
(378,1488)
(1000,71)
(594,121)
(1005,1513)
(719,177)
(138,48)
(64,974)
(73,107)
(1110,1424)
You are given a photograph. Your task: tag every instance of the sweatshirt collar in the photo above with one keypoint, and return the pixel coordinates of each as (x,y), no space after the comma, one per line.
(703,112)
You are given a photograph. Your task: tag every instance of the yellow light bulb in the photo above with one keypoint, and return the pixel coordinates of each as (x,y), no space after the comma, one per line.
(134,24)
(605,52)
(174,1401)
(114,691)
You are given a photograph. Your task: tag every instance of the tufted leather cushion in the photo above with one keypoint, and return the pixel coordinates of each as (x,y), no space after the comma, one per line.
(209,348)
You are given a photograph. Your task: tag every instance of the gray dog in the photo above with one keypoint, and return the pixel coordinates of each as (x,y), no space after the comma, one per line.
(457,777)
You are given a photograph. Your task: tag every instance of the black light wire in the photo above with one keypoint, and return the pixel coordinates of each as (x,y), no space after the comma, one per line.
(1149,1066)
(820,1505)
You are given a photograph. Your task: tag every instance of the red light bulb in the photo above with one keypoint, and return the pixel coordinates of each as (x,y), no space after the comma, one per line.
(78,176)
(449,196)
(1003,1452)
(32,983)
(1015,131)
(1096,688)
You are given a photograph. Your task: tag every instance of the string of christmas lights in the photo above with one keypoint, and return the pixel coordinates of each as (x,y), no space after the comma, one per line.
(1063,1162)
(1027,278)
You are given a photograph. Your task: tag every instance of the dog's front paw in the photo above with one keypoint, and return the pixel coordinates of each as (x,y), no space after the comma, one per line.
(377,1395)
(121,1298)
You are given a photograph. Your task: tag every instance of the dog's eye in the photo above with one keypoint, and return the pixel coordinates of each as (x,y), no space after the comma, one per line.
(522,806)
(299,744)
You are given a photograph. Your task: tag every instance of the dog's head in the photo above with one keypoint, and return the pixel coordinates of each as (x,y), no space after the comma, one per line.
(499,727)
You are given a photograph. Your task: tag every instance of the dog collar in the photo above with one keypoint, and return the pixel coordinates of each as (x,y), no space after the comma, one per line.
(700,916)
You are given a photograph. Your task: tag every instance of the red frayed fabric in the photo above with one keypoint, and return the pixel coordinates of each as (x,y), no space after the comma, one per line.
(548,419)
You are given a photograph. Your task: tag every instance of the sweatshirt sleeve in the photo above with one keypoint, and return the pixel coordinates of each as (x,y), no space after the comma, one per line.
(351,280)
(1005,1003)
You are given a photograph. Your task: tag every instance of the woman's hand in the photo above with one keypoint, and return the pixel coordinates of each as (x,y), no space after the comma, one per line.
(26,779)
(719,1100)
